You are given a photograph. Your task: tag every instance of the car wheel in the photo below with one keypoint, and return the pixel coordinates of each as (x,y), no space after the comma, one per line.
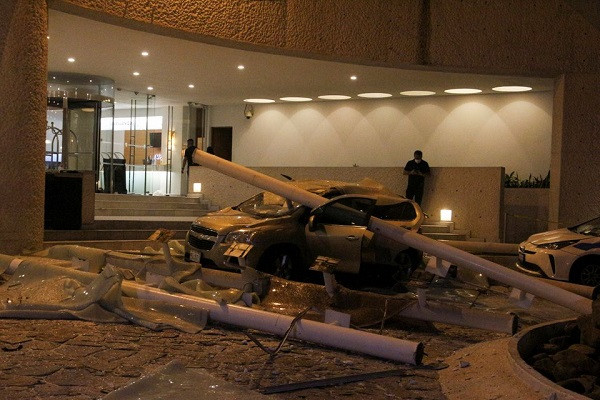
(587,272)
(409,260)
(284,262)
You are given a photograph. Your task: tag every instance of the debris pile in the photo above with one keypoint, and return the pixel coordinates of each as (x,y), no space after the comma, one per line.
(571,357)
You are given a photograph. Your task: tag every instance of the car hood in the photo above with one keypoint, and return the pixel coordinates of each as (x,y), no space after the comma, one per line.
(228,219)
(558,235)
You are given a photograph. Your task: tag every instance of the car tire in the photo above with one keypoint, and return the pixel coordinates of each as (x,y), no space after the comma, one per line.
(282,261)
(409,260)
(586,271)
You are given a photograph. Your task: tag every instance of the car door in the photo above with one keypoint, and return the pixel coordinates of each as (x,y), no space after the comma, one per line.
(338,230)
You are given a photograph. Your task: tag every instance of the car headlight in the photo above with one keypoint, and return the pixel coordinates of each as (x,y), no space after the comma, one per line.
(557,245)
(239,237)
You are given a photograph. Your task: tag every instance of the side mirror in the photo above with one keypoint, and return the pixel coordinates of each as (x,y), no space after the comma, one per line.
(311,223)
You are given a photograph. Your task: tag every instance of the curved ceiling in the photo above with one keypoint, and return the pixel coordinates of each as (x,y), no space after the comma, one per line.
(172,65)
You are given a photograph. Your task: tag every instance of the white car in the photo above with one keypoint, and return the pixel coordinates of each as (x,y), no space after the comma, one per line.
(568,254)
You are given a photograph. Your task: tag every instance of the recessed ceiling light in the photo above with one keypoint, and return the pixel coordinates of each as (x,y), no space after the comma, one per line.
(354,77)
(145,53)
(191,86)
(240,67)
(512,88)
(334,97)
(70,59)
(53,77)
(150,88)
(263,101)
(417,93)
(296,99)
(462,91)
(136,73)
(90,81)
(47,37)
(374,95)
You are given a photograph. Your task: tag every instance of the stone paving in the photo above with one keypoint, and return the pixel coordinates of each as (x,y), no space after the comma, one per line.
(65,359)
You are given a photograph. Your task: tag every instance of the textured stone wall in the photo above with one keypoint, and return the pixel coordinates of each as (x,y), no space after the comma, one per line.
(473,194)
(504,35)
(575,188)
(513,35)
(526,213)
(23,28)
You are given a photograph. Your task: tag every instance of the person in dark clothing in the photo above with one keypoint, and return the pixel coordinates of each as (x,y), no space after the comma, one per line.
(416,169)
(188,157)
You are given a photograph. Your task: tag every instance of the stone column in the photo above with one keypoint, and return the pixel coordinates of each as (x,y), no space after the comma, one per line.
(23,65)
(575,160)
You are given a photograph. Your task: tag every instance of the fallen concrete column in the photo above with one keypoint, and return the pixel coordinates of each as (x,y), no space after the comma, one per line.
(317,332)
(455,256)
(472,318)
(484,247)
(589,292)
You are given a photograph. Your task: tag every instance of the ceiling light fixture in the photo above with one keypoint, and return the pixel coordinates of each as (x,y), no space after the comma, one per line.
(417,93)
(462,91)
(259,101)
(374,95)
(334,97)
(150,88)
(191,86)
(241,67)
(71,59)
(354,77)
(145,53)
(512,89)
(295,99)
(136,73)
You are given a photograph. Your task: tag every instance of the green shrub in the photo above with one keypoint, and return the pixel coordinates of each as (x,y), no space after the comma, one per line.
(512,181)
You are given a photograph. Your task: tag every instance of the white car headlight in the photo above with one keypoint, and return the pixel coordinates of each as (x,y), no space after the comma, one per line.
(239,237)
(557,245)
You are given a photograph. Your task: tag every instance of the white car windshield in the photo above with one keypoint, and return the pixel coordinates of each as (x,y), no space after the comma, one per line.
(267,205)
(591,228)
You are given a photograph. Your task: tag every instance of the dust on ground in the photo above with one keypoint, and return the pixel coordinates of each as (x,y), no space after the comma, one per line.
(66,359)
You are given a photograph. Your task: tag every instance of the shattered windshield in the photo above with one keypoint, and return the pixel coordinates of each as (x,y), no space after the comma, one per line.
(268,205)
(591,228)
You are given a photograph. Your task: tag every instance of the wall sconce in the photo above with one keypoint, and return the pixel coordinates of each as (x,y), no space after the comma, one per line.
(445,215)
(197,187)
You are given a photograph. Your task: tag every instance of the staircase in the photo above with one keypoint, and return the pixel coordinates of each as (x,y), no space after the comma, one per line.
(443,231)
(135,217)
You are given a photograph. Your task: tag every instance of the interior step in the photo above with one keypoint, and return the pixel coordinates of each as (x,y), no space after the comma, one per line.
(151,207)
(150,199)
(150,212)
(437,227)
(119,229)
(105,234)
(454,235)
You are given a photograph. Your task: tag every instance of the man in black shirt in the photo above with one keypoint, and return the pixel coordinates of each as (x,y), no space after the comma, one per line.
(188,157)
(416,170)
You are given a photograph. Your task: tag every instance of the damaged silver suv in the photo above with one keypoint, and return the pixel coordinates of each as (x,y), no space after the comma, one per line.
(286,237)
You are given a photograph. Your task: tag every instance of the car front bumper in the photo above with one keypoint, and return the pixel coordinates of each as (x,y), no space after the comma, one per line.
(542,262)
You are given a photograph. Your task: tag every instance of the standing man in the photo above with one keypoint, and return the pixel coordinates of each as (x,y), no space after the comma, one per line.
(188,157)
(416,169)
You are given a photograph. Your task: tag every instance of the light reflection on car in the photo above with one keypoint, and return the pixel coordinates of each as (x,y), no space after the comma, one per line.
(568,254)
